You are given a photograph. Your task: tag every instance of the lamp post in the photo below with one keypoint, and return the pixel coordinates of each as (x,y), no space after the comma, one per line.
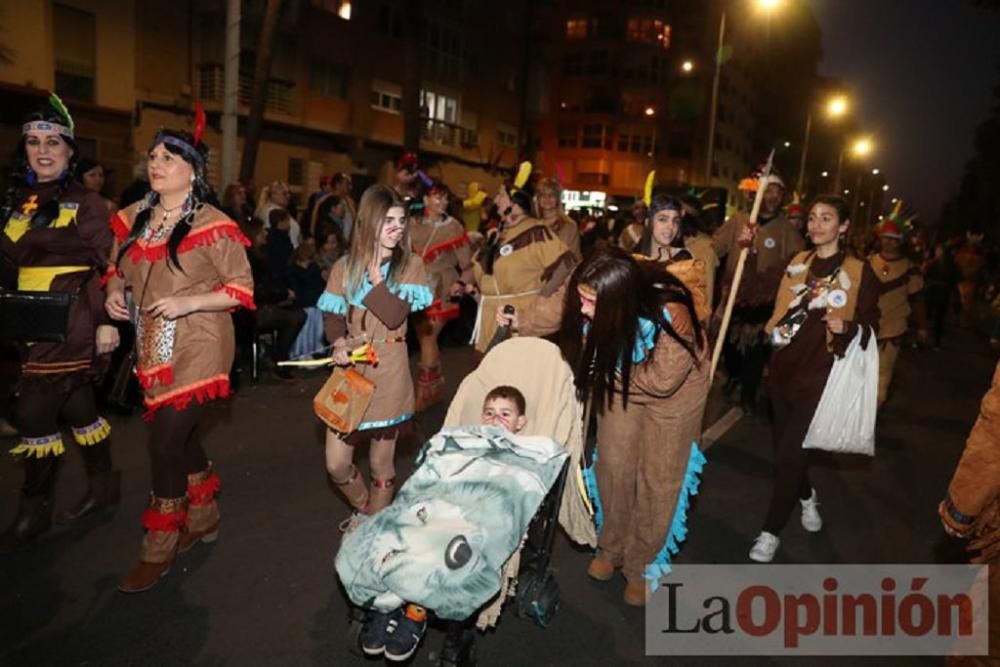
(835,108)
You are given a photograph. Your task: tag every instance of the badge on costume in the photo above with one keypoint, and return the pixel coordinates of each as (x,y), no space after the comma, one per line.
(769,243)
(506,249)
(837,298)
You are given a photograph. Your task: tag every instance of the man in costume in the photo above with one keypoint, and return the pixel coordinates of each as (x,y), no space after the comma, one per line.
(901,294)
(773,241)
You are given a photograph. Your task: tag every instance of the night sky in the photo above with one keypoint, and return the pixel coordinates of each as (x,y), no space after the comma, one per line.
(922,73)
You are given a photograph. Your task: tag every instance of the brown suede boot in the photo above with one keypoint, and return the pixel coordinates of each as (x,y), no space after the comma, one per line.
(382,493)
(103,490)
(203,511)
(430,382)
(601,570)
(163,521)
(636,593)
(355,490)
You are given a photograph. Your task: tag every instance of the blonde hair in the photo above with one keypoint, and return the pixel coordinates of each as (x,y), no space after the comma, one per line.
(372,210)
(265,194)
(548,185)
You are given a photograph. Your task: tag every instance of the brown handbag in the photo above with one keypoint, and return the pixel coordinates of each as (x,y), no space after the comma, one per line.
(343,400)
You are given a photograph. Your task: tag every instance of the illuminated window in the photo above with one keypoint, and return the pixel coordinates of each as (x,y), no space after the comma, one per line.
(386,100)
(576,29)
(649,31)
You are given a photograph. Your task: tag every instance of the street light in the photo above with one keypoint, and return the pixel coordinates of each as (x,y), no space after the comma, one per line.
(859,148)
(885,188)
(835,108)
(687,66)
(788,144)
(825,174)
(875,172)
(862,147)
(650,111)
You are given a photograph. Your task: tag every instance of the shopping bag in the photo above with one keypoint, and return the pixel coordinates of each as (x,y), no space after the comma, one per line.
(845,418)
(343,400)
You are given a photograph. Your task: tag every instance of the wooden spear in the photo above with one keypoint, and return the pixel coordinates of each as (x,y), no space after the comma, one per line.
(727,314)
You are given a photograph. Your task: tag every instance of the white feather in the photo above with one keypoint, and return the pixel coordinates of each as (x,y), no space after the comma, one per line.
(844,279)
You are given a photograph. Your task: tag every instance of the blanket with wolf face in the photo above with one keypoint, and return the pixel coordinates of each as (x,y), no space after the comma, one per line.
(459,517)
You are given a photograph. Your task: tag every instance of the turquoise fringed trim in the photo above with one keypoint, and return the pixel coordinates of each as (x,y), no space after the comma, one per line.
(660,567)
(645,338)
(332,303)
(384,423)
(418,296)
(590,484)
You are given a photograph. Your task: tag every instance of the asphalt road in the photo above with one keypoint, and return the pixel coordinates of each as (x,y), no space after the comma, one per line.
(266,592)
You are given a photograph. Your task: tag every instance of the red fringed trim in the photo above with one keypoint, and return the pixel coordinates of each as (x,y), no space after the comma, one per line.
(165,523)
(206,390)
(240,293)
(203,493)
(162,375)
(204,236)
(112,272)
(439,311)
(119,227)
(431,253)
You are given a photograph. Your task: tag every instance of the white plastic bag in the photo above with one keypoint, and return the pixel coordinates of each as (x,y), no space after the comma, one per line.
(845,417)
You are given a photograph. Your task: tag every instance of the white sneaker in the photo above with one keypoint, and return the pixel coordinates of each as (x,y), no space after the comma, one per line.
(348,525)
(764,547)
(811,520)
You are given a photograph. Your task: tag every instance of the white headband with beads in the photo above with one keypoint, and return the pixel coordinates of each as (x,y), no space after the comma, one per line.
(46,126)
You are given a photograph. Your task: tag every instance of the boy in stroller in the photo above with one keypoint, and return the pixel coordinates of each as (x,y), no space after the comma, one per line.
(397,632)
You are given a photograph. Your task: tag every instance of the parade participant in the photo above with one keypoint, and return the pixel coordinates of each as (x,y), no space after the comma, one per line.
(940,277)
(278,196)
(698,241)
(826,298)
(796,215)
(772,241)
(971,507)
(547,198)
(56,237)
(902,287)
(640,359)
(184,263)
(91,175)
(407,176)
(368,298)
(441,242)
(521,260)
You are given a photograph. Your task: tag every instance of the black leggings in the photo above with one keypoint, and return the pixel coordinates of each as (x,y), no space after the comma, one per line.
(791,477)
(175,449)
(39,407)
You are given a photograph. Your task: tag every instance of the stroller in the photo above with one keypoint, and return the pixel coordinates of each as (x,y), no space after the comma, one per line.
(534,366)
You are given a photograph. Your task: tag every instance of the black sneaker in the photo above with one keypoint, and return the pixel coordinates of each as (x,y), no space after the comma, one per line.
(377,630)
(404,638)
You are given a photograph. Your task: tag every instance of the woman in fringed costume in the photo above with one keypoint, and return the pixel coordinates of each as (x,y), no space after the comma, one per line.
(550,212)
(56,237)
(368,299)
(441,242)
(640,358)
(185,266)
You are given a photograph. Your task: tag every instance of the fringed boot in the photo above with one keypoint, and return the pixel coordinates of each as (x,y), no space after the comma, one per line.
(355,491)
(203,511)
(163,521)
(430,383)
(382,493)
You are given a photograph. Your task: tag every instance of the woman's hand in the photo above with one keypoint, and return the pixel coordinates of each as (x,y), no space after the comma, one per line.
(341,353)
(114,306)
(506,319)
(457,289)
(835,324)
(943,512)
(107,338)
(173,307)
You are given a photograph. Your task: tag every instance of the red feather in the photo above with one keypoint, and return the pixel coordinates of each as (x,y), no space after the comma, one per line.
(199,122)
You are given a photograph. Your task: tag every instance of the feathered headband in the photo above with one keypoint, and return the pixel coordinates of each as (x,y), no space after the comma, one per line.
(65,128)
(189,149)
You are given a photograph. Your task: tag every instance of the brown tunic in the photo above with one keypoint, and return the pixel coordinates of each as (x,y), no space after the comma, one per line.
(565,228)
(900,280)
(776,242)
(531,261)
(378,316)
(212,256)
(444,247)
(68,255)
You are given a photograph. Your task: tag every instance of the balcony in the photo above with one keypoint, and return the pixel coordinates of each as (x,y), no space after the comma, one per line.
(211,88)
(450,135)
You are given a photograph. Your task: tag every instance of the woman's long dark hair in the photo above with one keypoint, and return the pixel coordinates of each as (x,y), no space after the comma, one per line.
(201,193)
(20,177)
(626,291)
(661,203)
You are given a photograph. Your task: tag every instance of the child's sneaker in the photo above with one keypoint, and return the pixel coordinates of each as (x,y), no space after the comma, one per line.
(376,631)
(405,635)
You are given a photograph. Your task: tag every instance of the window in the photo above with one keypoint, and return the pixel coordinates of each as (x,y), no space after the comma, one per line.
(623,143)
(576,28)
(386,100)
(75,36)
(567,136)
(436,106)
(506,138)
(328,79)
(389,21)
(649,31)
(593,136)
(599,64)
(296,171)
